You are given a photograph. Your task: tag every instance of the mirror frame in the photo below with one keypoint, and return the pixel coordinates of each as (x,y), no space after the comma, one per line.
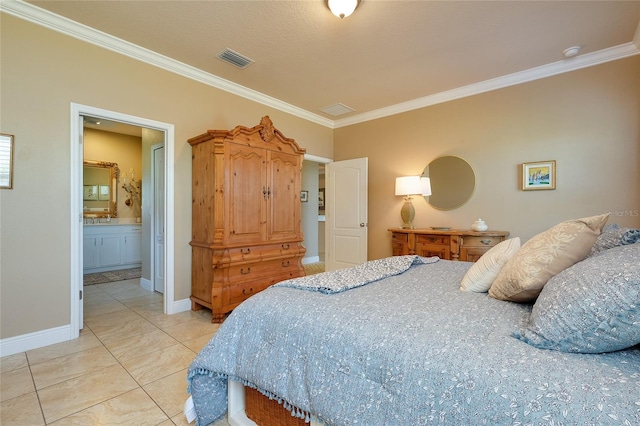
(114,175)
(458,203)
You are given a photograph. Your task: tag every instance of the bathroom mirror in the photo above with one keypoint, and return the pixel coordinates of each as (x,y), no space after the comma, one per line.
(100,189)
(452,182)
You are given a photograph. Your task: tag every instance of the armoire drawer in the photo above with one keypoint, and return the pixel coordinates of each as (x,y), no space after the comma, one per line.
(238,292)
(263,269)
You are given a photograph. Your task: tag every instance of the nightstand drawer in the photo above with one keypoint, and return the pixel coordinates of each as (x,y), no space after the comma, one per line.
(433,239)
(399,238)
(480,241)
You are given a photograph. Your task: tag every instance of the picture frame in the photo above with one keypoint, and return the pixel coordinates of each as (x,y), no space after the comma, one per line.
(321,199)
(304,196)
(90,193)
(539,175)
(104,193)
(6,161)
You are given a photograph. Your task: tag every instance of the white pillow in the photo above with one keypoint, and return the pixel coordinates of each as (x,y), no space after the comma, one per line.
(482,274)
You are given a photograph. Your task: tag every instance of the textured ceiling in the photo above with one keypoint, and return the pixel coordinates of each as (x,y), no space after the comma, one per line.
(386,53)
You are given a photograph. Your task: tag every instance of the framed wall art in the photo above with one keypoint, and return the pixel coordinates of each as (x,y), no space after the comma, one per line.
(90,193)
(6,161)
(539,175)
(304,196)
(321,200)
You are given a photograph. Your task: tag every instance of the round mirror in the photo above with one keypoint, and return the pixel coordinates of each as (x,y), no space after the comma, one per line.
(452,182)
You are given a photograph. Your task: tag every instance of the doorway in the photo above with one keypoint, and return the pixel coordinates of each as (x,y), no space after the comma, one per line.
(78,112)
(312,212)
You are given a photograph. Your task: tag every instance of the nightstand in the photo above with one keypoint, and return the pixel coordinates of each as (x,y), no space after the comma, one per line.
(450,244)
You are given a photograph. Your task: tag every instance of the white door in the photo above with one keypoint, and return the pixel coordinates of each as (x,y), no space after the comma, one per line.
(158,218)
(346,213)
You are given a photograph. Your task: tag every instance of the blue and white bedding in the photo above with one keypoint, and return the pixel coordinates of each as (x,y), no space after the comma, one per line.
(409,349)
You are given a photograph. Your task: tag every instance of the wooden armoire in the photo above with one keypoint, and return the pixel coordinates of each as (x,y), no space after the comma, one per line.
(246,224)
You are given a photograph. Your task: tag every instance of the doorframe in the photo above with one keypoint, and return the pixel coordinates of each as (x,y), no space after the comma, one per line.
(152,242)
(77,158)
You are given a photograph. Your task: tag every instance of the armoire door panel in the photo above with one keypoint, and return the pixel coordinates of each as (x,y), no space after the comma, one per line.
(247,194)
(284,206)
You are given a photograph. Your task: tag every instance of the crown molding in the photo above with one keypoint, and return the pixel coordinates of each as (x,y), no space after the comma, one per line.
(537,73)
(82,32)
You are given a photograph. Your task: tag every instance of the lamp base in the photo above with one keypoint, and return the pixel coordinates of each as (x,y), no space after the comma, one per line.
(407,213)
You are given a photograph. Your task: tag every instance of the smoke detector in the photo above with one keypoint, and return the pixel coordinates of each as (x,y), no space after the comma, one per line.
(572,51)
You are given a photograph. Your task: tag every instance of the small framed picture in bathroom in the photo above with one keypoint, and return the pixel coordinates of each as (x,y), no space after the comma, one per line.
(90,192)
(103,194)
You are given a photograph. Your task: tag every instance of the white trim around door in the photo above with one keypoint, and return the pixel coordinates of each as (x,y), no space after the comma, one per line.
(77,112)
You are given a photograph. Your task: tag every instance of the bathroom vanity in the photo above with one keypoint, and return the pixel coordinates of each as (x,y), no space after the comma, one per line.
(111,246)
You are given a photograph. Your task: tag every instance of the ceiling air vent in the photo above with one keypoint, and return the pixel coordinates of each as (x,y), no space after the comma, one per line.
(234,58)
(337,109)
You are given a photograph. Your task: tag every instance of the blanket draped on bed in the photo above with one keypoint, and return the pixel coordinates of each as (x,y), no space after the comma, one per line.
(348,278)
(409,349)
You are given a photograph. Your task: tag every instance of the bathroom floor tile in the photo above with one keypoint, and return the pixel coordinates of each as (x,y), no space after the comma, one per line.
(13,362)
(135,406)
(110,318)
(170,392)
(134,327)
(16,383)
(197,344)
(70,366)
(103,308)
(21,411)
(156,365)
(191,329)
(136,346)
(71,396)
(87,340)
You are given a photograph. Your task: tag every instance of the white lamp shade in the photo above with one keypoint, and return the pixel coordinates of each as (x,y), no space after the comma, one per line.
(425,184)
(342,8)
(408,185)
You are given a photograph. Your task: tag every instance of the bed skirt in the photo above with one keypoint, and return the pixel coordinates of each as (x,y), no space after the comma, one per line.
(248,407)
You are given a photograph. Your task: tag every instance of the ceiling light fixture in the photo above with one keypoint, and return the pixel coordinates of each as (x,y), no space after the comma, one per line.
(342,8)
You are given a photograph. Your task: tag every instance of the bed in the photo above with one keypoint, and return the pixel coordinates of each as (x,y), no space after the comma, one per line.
(396,341)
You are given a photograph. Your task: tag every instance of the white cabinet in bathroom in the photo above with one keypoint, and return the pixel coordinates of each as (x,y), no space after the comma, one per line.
(111,247)
(132,252)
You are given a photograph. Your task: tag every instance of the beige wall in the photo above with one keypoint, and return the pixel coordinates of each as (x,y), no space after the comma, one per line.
(43,72)
(586,120)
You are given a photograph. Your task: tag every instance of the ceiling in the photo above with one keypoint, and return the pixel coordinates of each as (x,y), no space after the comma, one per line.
(387,54)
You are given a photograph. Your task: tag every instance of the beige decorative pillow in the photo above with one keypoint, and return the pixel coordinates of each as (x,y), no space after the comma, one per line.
(482,274)
(543,256)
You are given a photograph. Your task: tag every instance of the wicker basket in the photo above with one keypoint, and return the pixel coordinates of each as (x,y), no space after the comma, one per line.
(267,412)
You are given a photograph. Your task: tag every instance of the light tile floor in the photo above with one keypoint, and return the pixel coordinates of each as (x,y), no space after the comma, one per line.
(128,367)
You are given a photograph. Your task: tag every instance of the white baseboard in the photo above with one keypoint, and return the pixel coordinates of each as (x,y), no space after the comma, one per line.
(146,284)
(35,340)
(311,259)
(181,306)
(39,339)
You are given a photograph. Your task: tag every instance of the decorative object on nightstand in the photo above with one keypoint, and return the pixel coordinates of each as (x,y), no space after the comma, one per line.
(408,186)
(479,226)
